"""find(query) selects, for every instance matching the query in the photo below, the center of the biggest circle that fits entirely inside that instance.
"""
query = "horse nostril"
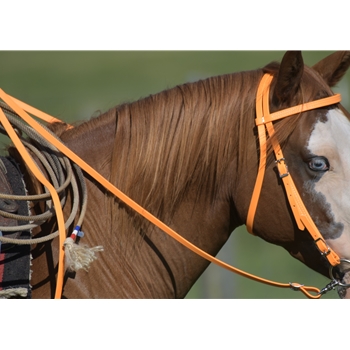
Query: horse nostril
(8, 205)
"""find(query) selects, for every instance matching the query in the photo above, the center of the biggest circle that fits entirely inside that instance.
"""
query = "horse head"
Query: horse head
(316, 148)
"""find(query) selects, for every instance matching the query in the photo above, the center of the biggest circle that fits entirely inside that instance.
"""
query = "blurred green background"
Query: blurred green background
(74, 85)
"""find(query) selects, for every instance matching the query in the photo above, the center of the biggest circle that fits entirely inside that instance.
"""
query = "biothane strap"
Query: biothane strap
(264, 120)
(21, 109)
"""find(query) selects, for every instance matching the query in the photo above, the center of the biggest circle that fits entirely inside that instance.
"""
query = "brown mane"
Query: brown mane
(196, 116)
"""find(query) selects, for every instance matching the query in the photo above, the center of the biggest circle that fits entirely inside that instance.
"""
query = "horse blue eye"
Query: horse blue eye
(319, 164)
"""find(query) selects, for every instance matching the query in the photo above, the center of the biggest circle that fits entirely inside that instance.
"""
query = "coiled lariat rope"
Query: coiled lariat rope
(63, 174)
(60, 171)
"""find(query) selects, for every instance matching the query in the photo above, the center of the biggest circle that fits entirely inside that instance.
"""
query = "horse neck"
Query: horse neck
(178, 181)
(135, 244)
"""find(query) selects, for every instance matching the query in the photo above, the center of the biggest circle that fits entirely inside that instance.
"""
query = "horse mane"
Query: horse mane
(186, 137)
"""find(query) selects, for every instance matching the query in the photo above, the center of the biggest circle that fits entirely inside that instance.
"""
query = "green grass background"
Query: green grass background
(74, 85)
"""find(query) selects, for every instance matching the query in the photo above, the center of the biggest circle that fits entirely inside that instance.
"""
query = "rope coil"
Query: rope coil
(63, 174)
(61, 171)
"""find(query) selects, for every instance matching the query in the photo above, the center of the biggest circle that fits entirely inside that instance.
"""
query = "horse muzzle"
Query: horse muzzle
(341, 274)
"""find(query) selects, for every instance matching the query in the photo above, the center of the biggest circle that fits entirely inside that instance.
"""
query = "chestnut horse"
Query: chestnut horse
(190, 156)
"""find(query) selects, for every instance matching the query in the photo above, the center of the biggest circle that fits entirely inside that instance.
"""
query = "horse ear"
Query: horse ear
(288, 79)
(333, 67)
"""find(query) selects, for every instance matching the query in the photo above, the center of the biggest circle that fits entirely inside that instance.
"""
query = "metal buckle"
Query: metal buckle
(322, 253)
(279, 162)
(285, 174)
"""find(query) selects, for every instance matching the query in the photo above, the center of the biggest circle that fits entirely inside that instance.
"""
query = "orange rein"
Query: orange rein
(21, 109)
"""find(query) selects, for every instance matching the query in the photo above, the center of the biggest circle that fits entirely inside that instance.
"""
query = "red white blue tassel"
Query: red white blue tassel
(78, 256)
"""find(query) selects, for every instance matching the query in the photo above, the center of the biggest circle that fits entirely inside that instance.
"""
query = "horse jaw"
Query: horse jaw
(330, 138)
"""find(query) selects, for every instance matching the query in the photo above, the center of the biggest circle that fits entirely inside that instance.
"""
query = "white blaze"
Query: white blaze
(331, 139)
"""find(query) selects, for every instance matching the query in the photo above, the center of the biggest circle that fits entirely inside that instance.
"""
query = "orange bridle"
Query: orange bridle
(264, 121)
(23, 109)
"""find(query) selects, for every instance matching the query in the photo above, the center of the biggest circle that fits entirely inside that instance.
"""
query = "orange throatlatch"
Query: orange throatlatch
(264, 123)
(23, 109)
